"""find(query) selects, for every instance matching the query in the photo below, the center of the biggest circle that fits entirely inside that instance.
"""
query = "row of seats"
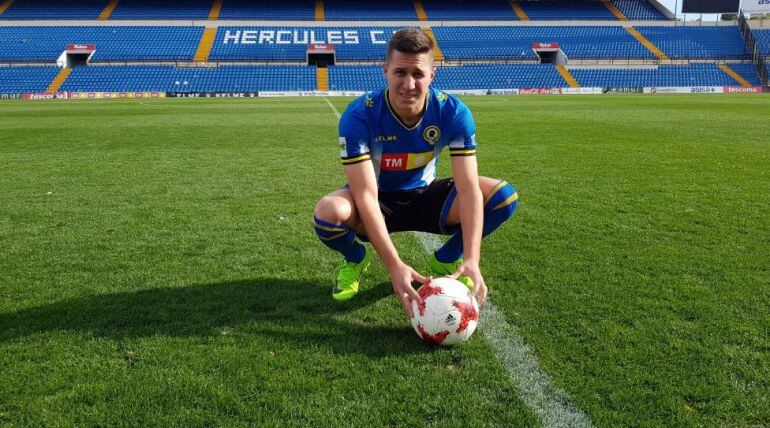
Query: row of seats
(357, 78)
(458, 43)
(697, 42)
(112, 43)
(118, 43)
(171, 79)
(670, 75)
(762, 37)
(335, 10)
(26, 79)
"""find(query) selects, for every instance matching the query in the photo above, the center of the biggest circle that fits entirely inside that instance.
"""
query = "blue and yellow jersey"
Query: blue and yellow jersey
(405, 158)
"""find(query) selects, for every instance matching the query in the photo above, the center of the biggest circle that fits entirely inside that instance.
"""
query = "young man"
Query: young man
(390, 141)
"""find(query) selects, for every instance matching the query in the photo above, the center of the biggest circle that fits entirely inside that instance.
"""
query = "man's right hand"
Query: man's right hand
(402, 277)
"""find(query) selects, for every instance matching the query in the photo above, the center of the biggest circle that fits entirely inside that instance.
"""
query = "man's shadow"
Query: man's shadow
(302, 313)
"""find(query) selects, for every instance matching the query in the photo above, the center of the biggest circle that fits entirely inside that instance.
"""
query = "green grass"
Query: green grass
(158, 267)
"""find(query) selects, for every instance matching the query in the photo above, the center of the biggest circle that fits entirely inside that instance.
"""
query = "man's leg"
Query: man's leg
(500, 200)
(334, 219)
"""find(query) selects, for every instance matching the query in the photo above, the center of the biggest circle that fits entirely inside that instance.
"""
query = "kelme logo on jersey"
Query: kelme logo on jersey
(431, 134)
(404, 161)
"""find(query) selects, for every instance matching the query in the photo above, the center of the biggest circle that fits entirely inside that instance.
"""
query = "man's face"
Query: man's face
(409, 76)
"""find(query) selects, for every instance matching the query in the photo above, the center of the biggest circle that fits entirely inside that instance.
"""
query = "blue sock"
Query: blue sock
(340, 238)
(499, 207)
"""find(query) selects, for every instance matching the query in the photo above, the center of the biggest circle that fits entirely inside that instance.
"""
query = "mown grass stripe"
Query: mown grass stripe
(550, 403)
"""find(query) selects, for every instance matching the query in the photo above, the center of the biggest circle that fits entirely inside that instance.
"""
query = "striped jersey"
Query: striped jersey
(405, 158)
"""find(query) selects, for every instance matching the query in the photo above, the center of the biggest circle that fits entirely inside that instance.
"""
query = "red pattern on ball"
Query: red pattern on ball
(434, 340)
(469, 313)
(424, 292)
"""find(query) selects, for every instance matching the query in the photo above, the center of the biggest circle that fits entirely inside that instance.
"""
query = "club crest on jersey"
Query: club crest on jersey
(431, 134)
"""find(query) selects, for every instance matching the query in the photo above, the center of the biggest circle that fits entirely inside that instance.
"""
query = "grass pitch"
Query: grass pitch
(158, 267)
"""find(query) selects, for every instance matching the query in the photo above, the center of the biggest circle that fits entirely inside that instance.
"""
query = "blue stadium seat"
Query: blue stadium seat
(458, 43)
(482, 76)
(171, 79)
(162, 9)
(17, 80)
(762, 37)
(483, 10)
(370, 10)
(275, 10)
(696, 74)
(707, 42)
(748, 71)
(638, 10)
(54, 9)
(543, 10)
(112, 43)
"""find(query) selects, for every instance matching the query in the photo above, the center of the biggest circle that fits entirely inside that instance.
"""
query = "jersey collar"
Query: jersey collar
(398, 119)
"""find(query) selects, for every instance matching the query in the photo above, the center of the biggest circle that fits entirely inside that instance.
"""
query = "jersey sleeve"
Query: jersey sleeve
(354, 136)
(462, 139)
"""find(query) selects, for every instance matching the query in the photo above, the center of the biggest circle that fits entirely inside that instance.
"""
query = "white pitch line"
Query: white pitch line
(332, 106)
(550, 403)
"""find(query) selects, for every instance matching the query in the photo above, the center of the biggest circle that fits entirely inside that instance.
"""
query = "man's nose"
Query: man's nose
(409, 82)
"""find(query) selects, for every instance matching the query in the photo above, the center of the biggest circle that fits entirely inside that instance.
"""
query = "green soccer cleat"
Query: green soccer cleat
(348, 278)
(440, 269)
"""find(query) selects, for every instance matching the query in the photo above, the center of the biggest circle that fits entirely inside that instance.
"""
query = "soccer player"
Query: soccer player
(390, 141)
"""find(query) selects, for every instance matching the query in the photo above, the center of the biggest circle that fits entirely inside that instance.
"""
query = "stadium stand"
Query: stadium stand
(462, 43)
(371, 10)
(637, 10)
(255, 58)
(162, 9)
(485, 10)
(54, 9)
(695, 74)
(290, 43)
(172, 79)
(476, 76)
(545, 10)
(689, 42)
(747, 71)
(268, 10)
(112, 43)
(762, 38)
(26, 79)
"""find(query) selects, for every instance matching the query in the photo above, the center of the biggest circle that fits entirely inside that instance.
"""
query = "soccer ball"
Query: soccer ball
(448, 314)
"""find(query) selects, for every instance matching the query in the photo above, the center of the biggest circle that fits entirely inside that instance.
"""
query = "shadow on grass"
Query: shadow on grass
(301, 313)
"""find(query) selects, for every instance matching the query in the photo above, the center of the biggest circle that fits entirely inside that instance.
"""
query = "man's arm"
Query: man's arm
(363, 186)
(470, 200)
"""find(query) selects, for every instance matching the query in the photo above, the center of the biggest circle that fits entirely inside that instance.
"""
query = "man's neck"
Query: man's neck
(408, 119)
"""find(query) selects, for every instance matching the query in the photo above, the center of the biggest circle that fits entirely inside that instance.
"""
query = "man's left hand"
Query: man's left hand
(470, 268)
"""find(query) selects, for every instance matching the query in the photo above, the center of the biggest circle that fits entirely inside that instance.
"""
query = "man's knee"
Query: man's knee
(337, 208)
(502, 199)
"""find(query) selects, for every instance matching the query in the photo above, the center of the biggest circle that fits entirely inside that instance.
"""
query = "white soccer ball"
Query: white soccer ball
(449, 313)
